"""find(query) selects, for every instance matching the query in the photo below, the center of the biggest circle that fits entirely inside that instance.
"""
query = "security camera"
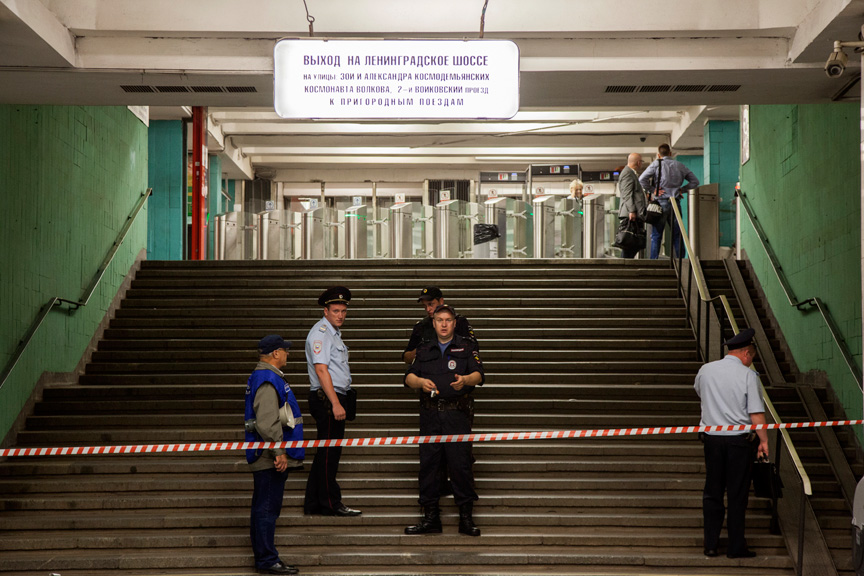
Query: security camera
(836, 64)
(642, 138)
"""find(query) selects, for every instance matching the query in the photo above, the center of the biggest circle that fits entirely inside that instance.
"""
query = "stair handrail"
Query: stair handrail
(705, 296)
(839, 340)
(85, 297)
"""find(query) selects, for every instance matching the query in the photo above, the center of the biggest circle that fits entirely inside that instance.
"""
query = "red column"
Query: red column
(199, 183)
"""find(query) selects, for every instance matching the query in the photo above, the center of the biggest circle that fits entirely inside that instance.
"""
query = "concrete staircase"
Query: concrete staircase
(831, 508)
(567, 345)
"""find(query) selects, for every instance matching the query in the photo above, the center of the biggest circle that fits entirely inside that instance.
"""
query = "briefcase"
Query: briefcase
(766, 480)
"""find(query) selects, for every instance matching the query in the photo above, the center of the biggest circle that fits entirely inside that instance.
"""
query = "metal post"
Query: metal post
(199, 183)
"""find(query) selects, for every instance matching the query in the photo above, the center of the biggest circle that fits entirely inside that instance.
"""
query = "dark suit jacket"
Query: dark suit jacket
(632, 196)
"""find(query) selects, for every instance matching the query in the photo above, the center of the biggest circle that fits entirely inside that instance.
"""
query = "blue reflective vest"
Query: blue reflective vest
(258, 378)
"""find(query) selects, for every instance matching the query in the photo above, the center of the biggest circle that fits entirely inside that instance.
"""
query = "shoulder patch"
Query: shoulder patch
(322, 328)
(477, 357)
(317, 346)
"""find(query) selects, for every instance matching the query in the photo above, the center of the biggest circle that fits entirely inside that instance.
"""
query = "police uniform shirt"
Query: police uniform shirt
(729, 392)
(460, 357)
(424, 331)
(324, 345)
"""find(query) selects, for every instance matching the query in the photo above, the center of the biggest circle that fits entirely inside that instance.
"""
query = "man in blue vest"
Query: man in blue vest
(272, 415)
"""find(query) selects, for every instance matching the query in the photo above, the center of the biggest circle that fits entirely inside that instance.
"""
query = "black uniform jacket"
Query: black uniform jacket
(424, 331)
(460, 357)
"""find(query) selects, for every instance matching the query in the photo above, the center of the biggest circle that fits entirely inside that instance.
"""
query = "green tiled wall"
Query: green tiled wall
(722, 142)
(695, 164)
(69, 177)
(166, 218)
(803, 181)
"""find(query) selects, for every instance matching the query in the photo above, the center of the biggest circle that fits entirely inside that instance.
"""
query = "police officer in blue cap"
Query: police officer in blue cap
(331, 402)
(730, 395)
(272, 415)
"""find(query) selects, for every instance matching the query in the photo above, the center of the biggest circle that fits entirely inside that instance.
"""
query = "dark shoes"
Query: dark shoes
(341, 510)
(745, 554)
(466, 520)
(429, 524)
(711, 552)
(279, 568)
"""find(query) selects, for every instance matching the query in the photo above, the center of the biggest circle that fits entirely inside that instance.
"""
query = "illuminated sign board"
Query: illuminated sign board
(396, 79)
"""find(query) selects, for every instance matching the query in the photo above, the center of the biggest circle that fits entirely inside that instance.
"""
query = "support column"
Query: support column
(166, 214)
(198, 247)
(722, 167)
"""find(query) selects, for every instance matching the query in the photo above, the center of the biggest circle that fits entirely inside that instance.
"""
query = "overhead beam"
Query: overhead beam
(52, 36)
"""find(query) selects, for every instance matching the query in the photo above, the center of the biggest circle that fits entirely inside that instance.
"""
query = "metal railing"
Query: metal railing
(706, 301)
(839, 340)
(85, 297)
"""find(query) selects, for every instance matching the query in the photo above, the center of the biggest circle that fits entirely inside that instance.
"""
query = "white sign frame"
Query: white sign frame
(396, 79)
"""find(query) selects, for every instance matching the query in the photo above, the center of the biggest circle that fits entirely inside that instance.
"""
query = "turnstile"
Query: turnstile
(270, 240)
(570, 218)
(312, 226)
(401, 231)
(520, 230)
(356, 232)
(496, 214)
(544, 226)
(448, 232)
(594, 226)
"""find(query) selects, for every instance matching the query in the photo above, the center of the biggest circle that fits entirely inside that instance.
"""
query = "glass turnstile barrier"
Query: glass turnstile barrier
(544, 226)
(569, 215)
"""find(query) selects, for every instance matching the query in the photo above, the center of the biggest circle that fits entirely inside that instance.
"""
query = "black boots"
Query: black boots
(466, 520)
(430, 523)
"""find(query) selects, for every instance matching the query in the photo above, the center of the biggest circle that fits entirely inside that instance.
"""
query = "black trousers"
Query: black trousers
(322, 491)
(728, 467)
(457, 454)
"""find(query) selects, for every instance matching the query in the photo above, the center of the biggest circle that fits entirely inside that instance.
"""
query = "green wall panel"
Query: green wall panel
(165, 219)
(69, 177)
(722, 143)
(695, 164)
(803, 181)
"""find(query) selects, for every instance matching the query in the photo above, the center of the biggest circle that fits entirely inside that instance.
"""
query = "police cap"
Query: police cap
(430, 293)
(335, 295)
(445, 308)
(272, 342)
(743, 339)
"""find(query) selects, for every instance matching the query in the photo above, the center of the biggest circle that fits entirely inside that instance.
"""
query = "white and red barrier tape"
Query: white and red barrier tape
(409, 440)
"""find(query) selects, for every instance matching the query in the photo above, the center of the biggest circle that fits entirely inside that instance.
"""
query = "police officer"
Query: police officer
(272, 415)
(331, 402)
(423, 331)
(730, 395)
(445, 372)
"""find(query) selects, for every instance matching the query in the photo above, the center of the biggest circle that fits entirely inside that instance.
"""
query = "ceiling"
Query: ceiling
(599, 79)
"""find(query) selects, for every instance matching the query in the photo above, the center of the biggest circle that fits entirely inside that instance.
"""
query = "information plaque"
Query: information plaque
(398, 79)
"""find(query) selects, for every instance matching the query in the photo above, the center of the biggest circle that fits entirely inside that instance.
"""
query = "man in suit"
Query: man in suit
(633, 202)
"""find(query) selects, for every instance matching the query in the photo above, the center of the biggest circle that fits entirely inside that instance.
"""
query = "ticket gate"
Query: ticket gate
(312, 226)
(594, 226)
(448, 231)
(273, 241)
(401, 230)
(356, 232)
(570, 219)
(225, 237)
(544, 226)
(495, 213)
(521, 221)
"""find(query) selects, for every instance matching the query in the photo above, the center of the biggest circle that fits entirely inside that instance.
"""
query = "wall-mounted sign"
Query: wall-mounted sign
(502, 176)
(444, 195)
(396, 78)
(400, 197)
(493, 194)
(269, 205)
(357, 200)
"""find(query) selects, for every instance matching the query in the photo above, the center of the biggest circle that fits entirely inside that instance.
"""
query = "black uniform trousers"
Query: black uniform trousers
(728, 467)
(323, 494)
(458, 456)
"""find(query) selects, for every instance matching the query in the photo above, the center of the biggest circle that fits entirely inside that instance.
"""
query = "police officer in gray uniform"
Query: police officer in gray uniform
(331, 402)
(730, 396)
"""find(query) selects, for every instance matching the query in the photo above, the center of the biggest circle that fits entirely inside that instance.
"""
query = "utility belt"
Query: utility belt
(751, 436)
(347, 400)
(463, 403)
